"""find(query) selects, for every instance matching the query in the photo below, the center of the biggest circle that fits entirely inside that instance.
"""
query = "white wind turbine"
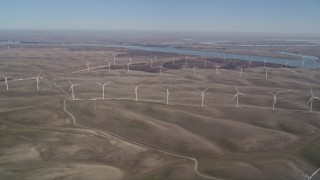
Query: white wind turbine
(311, 100)
(128, 67)
(160, 69)
(194, 70)
(266, 74)
(241, 72)
(264, 62)
(114, 60)
(88, 67)
(250, 63)
(136, 89)
(102, 85)
(167, 90)
(202, 95)
(274, 98)
(71, 88)
(6, 81)
(151, 62)
(310, 177)
(173, 61)
(38, 81)
(109, 66)
(217, 69)
(237, 96)
(130, 60)
(302, 63)
(186, 60)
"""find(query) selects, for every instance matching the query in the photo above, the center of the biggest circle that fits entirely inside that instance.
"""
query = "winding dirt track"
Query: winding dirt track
(138, 143)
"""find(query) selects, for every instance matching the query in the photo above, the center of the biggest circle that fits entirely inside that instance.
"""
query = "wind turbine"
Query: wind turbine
(6, 81)
(186, 60)
(103, 85)
(114, 60)
(130, 60)
(302, 63)
(109, 66)
(241, 72)
(160, 67)
(173, 61)
(194, 70)
(310, 177)
(311, 100)
(217, 69)
(266, 74)
(237, 96)
(250, 63)
(128, 67)
(167, 90)
(202, 95)
(151, 62)
(88, 67)
(38, 81)
(71, 88)
(136, 89)
(274, 98)
(264, 62)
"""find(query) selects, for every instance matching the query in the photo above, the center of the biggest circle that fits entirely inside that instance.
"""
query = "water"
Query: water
(309, 60)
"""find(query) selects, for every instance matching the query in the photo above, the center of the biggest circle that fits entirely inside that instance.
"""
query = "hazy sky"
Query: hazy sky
(294, 16)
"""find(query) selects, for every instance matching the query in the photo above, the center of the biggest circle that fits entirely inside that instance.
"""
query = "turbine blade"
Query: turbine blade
(99, 83)
(235, 96)
(310, 100)
(315, 172)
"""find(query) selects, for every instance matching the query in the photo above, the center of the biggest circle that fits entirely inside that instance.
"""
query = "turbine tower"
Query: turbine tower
(237, 96)
(274, 98)
(136, 89)
(71, 88)
(202, 96)
(103, 85)
(264, 62)
(6, 81)
(311, 100)
(173, 61)
(186, 60)
(241, 72)
(38, 81)
(194, 70)
(302, 63)
(266, 74)
(88, 67)
(114, 60)
(217, 69)
(167, 90)
(109, 66)
(128, 67)
(151, 62)
(160, 69)
(250, 63)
